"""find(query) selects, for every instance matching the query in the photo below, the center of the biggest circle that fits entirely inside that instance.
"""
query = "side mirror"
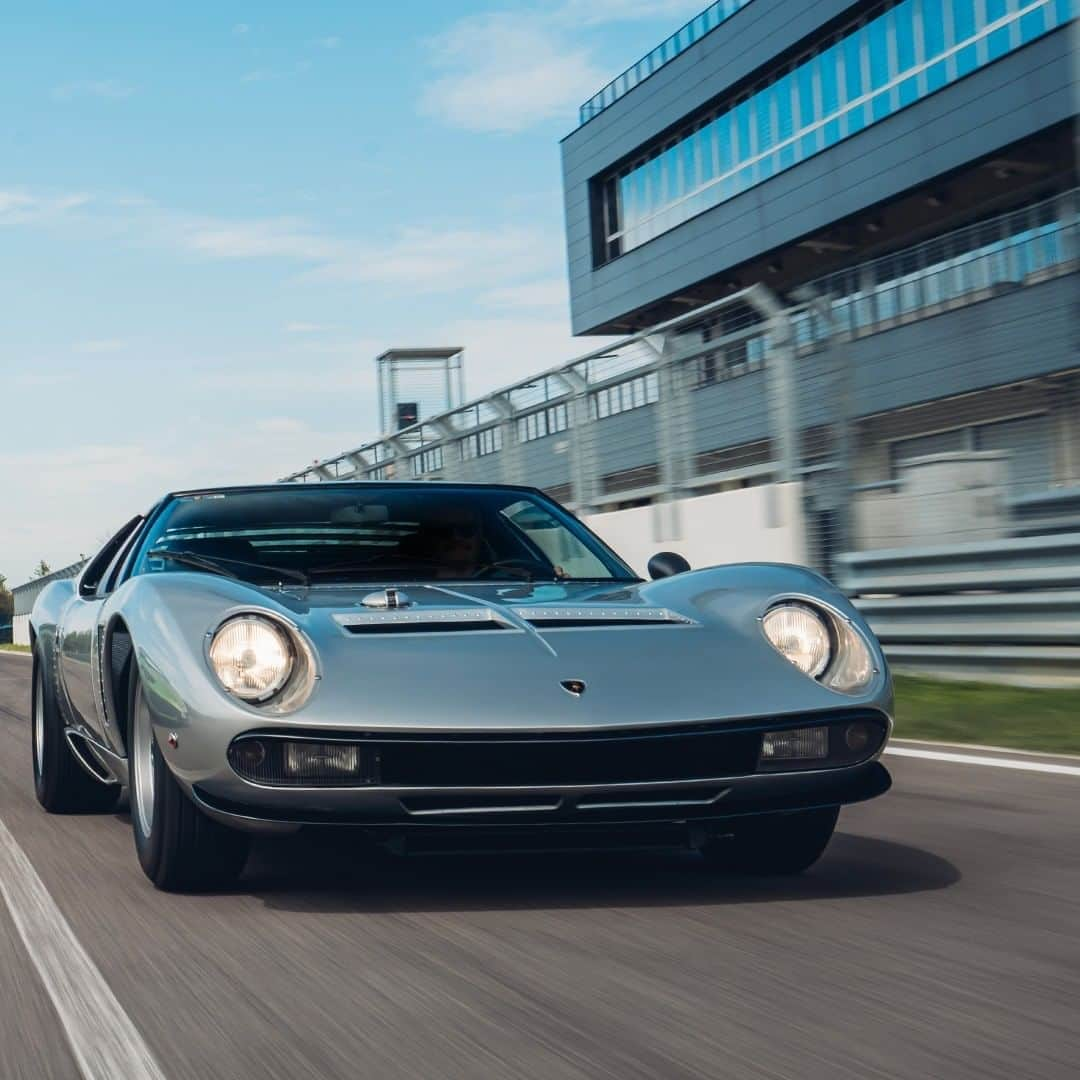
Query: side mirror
(667, 563)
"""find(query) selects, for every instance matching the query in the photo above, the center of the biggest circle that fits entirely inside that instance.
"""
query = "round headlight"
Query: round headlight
(252, 657)
(800, 634)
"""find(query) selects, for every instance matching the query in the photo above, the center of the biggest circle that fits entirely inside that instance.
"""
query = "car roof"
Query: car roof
(343, 485)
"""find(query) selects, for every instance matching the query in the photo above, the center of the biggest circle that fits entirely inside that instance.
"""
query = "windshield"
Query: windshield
(384, 535)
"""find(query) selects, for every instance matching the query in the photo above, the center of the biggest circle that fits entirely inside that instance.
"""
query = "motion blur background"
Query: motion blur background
(832, 250)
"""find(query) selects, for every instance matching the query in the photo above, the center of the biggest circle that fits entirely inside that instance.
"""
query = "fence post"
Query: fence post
(779, 373)
(582, 473)
(451, 461)
(510, 455)
(674, 437)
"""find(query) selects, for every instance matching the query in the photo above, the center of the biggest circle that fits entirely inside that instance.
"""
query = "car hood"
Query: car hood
(684, 649)
(496, 656)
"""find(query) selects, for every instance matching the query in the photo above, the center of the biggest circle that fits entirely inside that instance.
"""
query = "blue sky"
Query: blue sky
(213, 216)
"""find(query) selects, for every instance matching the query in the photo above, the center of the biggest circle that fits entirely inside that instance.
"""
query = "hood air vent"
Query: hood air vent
(430, 621)
(563, 618)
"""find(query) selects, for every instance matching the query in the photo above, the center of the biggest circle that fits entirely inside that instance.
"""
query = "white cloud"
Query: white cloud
(446, 259)
(103, 345)
(504, 350)
(107, 89)
(25, 208)
(330, 42)
(576, 13)
(286, 238)
(307, 328)
(549, 293)
(39, 379)
(435, 258)
(240, 29)
(280, 425)
(504, 71)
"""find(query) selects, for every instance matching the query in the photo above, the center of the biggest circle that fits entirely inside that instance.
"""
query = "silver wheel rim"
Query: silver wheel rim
(143, 753)
(39, 723)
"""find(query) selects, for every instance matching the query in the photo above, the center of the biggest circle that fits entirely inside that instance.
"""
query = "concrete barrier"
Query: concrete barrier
(756, 524)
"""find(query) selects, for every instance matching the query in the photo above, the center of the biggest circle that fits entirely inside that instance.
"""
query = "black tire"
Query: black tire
(61, 783)
(775, 843)
(180, 849)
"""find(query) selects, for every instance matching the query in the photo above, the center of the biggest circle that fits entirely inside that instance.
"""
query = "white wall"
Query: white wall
(757, 524)
(20, 629)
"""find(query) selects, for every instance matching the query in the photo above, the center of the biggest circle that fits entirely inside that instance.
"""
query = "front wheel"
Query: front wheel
(180, 849)
(775, 843)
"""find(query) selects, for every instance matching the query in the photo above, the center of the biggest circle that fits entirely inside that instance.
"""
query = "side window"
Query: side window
(97, 569)
(112, 573)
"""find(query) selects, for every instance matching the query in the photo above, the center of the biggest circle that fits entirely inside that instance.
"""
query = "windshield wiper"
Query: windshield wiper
(214, 564)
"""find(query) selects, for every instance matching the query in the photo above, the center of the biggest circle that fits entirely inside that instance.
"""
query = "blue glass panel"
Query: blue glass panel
(964, 28)
(744, 147)
(726, 154)
(998, 41)
(854, 86)
(1064, 10)
(715, 149)
(766, 136)
(804, 79)
(785, 121)
(879, 66)
(829, 72)
(1032, 24)
(904, 26)
(689, 175)
(933, 24)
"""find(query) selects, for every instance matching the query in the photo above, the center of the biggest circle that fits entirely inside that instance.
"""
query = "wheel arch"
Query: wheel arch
(117, 656)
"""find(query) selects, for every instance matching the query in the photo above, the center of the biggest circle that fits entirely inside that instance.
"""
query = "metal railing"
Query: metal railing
(664, 53)
(1018, 248)
(623, 423)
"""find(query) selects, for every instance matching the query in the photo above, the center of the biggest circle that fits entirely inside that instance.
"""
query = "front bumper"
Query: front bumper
(597, 778)
(714, 800)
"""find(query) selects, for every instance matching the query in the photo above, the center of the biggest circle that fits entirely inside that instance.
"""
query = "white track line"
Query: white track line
(103, 1039)
(993, 762)
(966, 746)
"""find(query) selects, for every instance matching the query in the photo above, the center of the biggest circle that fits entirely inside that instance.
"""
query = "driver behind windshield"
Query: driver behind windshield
(450, 542)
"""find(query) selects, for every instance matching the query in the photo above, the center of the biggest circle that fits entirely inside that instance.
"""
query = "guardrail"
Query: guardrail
(1006, 610)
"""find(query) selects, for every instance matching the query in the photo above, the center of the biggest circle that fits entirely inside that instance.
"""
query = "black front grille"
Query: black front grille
(555, 760)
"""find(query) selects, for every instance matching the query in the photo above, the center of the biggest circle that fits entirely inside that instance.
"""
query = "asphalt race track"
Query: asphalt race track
(939, 937)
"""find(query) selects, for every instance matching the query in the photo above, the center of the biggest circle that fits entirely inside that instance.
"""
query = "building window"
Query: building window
(633, 393)
(906, 51)
(427, 461)
(481, 443)
(547, 421)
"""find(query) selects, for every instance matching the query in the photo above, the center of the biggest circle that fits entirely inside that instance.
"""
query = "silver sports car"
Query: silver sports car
(445, 664)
